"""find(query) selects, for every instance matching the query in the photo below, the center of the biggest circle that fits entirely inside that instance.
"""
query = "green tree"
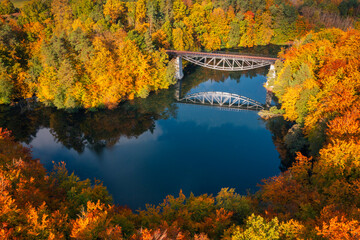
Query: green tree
(257, 228)
(6, 86)
(6, 7)
(140, 13)
(229, 200)
(180, 10)
(264, 28)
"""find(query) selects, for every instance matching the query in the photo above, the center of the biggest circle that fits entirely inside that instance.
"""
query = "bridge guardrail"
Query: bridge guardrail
(224, 54)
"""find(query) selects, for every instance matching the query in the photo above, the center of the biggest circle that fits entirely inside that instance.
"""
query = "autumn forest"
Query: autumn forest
(95, 54)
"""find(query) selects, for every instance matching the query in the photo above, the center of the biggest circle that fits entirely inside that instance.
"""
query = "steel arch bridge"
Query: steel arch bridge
(223, 99)
(224, 62)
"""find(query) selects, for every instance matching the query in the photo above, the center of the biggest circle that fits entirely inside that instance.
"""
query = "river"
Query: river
(149, 148)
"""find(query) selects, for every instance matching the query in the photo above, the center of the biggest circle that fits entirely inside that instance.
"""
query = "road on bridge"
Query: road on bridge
(221, 55)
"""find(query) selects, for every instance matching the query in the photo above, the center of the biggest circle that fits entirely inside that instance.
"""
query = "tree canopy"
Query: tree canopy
(75, 54)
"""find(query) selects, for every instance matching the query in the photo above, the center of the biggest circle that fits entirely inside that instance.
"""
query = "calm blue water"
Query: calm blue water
(153, 153)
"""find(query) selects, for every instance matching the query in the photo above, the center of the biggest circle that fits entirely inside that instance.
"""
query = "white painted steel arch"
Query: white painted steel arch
(226, 64)
(223, 99)
(223, 61)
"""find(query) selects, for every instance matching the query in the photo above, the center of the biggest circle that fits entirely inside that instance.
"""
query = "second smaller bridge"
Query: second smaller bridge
(223, 99)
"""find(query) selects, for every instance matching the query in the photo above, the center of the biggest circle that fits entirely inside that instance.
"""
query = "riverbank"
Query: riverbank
(271, 113)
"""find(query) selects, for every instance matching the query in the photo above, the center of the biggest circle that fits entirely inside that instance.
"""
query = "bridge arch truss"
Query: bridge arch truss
(223, 99)
(223, 61)
(226, 63)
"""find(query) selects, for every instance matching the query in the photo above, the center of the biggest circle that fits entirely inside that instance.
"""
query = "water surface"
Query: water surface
(150, 148)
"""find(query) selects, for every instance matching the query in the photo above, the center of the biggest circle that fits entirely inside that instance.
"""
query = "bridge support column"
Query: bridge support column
(270, 77)
(269, 86)
(272, 71)
(179, 72)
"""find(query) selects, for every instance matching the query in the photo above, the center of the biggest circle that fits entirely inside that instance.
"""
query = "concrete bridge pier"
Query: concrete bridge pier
(270, 77)
(179, 71)
(272, 71)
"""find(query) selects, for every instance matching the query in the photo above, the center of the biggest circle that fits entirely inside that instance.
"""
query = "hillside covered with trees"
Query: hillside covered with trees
(91, 54)
(318, 84)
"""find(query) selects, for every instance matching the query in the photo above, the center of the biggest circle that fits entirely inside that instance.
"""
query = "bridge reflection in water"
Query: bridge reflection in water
(223, 100)
(224, 62)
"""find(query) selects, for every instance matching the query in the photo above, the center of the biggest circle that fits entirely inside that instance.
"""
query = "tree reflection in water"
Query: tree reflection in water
(102, 129)
(94, 130)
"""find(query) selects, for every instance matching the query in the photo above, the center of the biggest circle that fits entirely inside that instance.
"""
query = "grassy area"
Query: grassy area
(19, 3)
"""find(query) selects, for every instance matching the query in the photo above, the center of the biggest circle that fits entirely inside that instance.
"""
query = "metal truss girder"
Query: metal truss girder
(226, 64)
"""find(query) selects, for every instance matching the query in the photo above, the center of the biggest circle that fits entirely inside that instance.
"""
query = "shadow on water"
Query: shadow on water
(148, 148)
(288, 140)
(195, 75)
(85, 129)
(103, 129)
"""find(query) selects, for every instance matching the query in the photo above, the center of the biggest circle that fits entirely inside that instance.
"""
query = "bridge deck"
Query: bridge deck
(220, 55)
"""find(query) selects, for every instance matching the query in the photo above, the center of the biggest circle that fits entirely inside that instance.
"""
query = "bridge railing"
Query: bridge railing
(241, 53)
(234, 52)
(220, 54)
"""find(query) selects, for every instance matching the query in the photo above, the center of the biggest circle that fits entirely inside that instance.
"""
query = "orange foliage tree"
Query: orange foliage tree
(318, 84)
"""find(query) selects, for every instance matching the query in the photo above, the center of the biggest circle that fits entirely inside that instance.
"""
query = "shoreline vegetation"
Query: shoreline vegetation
(273, 112)
(79, 53)
(96, 54)
(316, 197)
